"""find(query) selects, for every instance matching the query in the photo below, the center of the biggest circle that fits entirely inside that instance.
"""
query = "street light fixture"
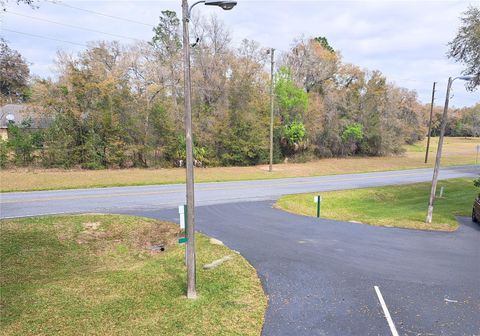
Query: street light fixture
(440, 146)
(225, 5)
(191, 267)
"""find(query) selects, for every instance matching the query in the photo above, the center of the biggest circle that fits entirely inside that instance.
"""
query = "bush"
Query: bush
(21, 142)
(295, 132)
(351, 137)
(242, 145)
(476, 182)
(3, 154)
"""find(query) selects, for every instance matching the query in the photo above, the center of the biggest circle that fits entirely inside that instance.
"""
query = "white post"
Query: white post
(441, 192)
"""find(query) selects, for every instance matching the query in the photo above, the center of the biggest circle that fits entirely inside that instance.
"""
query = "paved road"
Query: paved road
(320, 274)
(168, 196)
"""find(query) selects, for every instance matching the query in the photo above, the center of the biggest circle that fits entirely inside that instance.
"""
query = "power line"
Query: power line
(102, 14)
(73, 26)
(44, 37)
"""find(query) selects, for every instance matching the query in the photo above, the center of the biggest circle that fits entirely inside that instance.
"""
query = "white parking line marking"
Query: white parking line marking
(386, 312)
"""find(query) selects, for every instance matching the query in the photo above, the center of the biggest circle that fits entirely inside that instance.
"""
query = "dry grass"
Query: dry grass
(457, 151)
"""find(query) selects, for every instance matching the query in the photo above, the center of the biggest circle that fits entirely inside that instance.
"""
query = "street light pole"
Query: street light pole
(191, 262)
(191, 272)
(439, 149)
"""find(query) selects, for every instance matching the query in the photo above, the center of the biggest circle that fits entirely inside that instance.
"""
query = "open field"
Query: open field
(94, 274)
(457, 151)
(395, 206)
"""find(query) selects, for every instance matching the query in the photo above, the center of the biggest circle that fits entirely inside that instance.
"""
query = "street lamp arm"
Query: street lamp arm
(465, 78)
(193, 5)
(458, 77)
(225, 5)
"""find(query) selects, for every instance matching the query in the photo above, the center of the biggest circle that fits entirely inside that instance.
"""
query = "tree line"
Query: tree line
(115, 105)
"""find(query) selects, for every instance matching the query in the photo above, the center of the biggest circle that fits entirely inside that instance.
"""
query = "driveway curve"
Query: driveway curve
(320, 274)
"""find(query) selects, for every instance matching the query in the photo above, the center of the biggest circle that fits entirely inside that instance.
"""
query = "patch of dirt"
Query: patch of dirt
(91, 225)
(145, 236)
(91, 232)
(156, 234)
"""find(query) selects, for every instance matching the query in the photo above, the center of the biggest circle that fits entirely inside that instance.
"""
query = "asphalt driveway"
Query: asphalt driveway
(320, 274)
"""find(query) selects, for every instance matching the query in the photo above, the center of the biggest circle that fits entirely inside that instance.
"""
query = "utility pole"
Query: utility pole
(191, 271)
(439, 154)
(430, 123)
(440, 145)
(272, 62)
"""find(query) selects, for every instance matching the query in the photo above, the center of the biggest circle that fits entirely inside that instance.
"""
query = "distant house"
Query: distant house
(18, 113)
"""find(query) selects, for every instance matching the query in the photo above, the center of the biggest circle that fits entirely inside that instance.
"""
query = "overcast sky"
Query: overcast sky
(406, 40)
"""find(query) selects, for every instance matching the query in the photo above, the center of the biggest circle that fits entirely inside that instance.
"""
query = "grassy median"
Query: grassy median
(456, 151)
(395, 206)
(95, 274)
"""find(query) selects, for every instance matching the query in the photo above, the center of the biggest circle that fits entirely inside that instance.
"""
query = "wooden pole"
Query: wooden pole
(439, 155)
(191, 269)
(272, 60)
(430, 123)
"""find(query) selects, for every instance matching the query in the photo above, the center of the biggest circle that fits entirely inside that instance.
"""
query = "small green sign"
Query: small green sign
(182, 240)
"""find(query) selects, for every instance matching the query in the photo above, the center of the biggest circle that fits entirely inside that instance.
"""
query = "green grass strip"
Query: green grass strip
(394, 206)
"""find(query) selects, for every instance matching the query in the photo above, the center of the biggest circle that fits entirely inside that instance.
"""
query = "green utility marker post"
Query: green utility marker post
(318, 199)
(182, 211)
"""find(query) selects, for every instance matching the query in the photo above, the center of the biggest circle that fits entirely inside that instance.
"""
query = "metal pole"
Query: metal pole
(272, 60)
(191, 272)
(430, 123)
(439, 155)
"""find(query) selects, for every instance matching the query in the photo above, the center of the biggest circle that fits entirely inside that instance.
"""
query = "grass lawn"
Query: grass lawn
(457, 151)
(93, 274)
(395, 206)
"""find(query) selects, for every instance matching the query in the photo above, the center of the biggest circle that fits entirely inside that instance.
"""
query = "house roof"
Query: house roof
(18, 113)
